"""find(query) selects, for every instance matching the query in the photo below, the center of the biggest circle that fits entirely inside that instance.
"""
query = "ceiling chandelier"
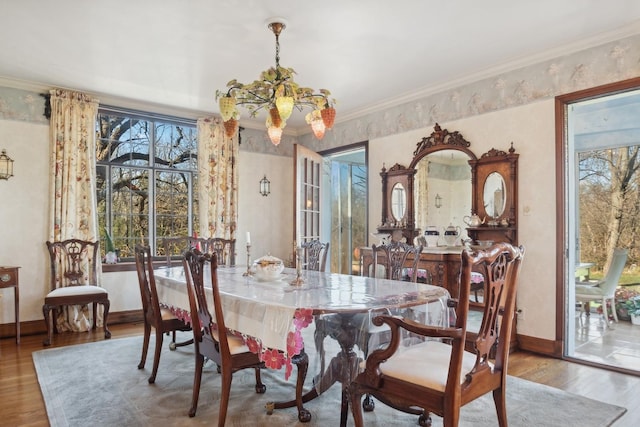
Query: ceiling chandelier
(276, 92)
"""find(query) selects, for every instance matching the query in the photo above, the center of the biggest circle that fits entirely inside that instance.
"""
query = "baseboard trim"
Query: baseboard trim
(34, 327)
(551, 348)
(533, 344)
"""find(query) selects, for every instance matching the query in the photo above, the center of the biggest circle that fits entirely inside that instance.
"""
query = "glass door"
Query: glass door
(348, 207)
(601, 216)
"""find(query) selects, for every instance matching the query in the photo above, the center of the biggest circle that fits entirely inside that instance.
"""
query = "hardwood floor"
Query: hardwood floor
(21, 402)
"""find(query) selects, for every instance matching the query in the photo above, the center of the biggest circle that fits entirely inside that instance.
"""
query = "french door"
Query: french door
(330, 202)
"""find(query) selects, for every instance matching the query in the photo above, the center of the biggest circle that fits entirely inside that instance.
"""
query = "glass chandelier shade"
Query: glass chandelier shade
(276, 92)
(318, 127)
(275, 134)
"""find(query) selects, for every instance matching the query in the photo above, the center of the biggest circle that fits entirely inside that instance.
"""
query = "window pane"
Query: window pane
(145, 186)
(176, 146)
(172, 204)
(130, 207)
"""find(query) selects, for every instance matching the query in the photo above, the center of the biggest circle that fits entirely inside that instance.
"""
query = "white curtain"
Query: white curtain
(217, 179)
(72, 207)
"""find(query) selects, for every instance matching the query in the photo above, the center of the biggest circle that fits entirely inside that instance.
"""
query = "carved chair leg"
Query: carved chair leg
(145, 345)
(501, 407)
(260, 387)
(356, 396)
(225, 391)
(156, 357)
(46, 310)
(95, 315)
(197, 379)
(105, 319)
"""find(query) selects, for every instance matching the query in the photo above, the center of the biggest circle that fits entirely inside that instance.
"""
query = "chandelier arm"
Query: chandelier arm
(258, 99)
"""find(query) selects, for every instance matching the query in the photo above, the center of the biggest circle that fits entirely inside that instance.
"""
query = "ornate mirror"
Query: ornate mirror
(496, 196)
(493, 195)
(442, 164)
(398, 201)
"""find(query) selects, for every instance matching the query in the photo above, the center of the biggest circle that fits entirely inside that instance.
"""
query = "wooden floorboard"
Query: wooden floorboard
(21, 402)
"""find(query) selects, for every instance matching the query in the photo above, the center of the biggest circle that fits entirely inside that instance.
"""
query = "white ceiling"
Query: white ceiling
(369, 54)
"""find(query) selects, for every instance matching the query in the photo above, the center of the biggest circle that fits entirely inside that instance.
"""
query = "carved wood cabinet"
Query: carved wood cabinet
(494, 199)
(397, 197)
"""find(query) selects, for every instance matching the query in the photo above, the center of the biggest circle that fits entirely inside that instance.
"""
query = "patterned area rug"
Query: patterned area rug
(98, 384)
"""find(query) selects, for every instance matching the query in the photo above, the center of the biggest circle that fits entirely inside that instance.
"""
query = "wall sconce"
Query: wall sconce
(6, 165)
(438, 201)
(265, 186)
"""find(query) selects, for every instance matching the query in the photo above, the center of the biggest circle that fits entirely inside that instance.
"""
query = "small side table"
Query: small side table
(9, 279)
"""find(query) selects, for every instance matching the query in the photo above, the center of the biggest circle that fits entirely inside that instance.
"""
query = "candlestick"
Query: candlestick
(248, 272)
(298, 280)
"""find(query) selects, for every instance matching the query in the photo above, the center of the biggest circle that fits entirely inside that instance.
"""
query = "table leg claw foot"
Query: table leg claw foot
(304, 416)
(270, 406)
(368, 405)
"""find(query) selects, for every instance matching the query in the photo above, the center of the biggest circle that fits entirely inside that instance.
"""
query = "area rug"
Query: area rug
(98, 384)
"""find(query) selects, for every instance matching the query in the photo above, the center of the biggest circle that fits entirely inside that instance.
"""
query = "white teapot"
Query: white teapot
(451, 234)
(473, 220)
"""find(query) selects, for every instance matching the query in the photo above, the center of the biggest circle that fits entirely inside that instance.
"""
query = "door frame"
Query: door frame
(562, 228)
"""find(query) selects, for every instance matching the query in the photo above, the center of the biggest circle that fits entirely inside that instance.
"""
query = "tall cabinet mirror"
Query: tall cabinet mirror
(447, 187)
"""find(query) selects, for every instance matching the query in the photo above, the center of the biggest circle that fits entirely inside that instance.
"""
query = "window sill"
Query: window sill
(121, 266)
(130, 266)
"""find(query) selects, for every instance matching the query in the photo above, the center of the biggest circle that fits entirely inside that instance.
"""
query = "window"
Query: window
(146, 179)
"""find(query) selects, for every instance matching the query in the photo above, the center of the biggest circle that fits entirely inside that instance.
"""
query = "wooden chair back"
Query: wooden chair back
(212, 333)
(396, 257)
(315, 255)
(147, 284)
(74, 262)
(225, 249)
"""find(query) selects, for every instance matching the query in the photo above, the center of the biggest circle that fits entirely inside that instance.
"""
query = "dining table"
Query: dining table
(274, 317)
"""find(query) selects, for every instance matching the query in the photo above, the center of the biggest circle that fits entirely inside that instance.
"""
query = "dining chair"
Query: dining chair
(439, 376)
(155, 316)
(397, 261)
(224, 248)
(74, 281)
(176, 246)
(314, 255)
(210, 335)
(396, 258)
(604, 290)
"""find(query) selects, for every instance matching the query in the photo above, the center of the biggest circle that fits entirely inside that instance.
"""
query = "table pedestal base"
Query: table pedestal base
(343, 368)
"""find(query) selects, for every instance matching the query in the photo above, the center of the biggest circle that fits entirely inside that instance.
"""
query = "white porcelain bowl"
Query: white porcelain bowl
(268, 268)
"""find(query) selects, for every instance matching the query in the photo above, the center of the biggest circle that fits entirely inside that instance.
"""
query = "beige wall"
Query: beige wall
(531, 128)
(24, 215)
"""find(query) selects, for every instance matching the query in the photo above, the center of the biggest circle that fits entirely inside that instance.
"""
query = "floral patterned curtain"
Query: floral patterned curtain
(72, 206)
(217, 179)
